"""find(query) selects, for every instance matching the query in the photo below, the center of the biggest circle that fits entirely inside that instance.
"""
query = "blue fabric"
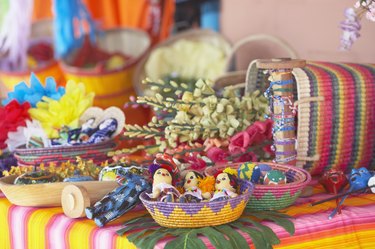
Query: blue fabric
(103, 134)
(67, 14)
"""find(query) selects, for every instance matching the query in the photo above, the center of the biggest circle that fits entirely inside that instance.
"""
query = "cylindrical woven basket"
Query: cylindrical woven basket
(336, 115)
(8, 79)
(259, 45)
(113, 87)
(96, 152)
(203, 35)
(274, 197)
(202, 214)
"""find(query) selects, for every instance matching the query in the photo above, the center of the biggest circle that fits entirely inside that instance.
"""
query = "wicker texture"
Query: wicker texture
(336, 117)
(273, 197)
(188, 215)
(96, 152)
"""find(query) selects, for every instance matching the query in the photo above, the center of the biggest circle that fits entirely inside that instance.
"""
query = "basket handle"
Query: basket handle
(308, 158)
(259, 38)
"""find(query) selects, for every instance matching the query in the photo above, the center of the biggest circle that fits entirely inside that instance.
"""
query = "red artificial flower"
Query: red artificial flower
(265, 128)
(247, 157)
(239, 142)
(217, 155)
(254, 134)
(268, 149)
(12, 116)
(196, 163)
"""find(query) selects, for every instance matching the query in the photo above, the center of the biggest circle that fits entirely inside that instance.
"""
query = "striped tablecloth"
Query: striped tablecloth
(32, 228)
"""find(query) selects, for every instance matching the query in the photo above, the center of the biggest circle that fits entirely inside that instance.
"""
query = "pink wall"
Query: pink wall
(311, 27)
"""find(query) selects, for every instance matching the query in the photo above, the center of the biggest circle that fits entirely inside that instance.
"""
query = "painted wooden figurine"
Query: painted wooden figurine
(225, 186)
(163, 172)
(192, 191)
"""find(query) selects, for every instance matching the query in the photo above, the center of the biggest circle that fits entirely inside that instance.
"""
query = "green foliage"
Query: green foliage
(144, 232)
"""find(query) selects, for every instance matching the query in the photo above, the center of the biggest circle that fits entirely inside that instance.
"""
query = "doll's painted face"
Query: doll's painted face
(191, 180)
(223, 182)
(162, 176)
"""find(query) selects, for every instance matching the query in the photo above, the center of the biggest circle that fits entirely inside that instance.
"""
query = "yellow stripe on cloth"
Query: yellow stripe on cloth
(4, 226)
(79, 234)
(36, 227)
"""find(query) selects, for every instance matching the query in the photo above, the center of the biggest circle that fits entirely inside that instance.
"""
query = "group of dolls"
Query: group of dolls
(194, 187)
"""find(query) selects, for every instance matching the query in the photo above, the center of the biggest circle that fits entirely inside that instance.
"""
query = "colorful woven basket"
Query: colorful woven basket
(96, 152)
(336, 114)
(188, 215)
(274, 197)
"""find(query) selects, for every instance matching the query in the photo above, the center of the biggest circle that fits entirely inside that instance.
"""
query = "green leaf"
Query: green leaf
(138, 235)
(268, 232)
(143, 218)
(189, 240)
(149, 241)
(283, 222)
(136, 226)
(235, 238)
(217, 239)
(257, 237)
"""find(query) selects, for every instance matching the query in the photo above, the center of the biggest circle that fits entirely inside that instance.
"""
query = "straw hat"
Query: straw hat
(95, 113)
(115, 113)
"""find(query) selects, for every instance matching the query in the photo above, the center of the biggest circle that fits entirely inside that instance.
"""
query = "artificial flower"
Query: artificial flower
(265, 128)
(351, 28)
(53, 114)
(254, 134)
(215, 142)
(12, 116)
(239, 142)
(196, 163)
(207, 184)
(217, 155)
(33, 94)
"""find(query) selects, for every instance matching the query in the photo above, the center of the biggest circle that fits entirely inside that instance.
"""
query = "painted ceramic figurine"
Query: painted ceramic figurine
(274, 177)
(191, 186)
(334, 181)
(225, 186)
(119, 201)
(358, 179)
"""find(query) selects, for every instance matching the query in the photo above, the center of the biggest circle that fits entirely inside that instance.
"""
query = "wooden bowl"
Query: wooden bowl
(50, 194)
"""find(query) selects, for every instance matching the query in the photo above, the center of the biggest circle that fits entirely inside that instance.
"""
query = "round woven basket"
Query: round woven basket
(40, 30)
(95, 152)
(274, 197)
(202, 214)
(113, 87)
(202, 35)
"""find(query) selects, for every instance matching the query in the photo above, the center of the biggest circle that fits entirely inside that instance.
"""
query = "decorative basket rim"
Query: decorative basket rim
(294, 184)
(249, 190)
(105, 144)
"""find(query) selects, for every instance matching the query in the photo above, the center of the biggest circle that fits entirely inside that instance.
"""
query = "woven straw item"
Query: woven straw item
(336, 117)
(96, 152)
(273, 197)
(202, 214)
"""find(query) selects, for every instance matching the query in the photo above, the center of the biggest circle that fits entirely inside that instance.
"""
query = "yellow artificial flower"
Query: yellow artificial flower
(54, 114)
(230, 171)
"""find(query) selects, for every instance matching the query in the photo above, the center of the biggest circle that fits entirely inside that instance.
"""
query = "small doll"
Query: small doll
(191, 186)
(120, 200)
(225, 185)
(163, 172)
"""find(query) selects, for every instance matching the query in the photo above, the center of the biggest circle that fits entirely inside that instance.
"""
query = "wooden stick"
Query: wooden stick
(340, 195)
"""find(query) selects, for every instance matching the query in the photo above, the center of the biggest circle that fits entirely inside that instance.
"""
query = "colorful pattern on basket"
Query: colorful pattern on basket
(95, 152)
(339, 129)
(174, 214)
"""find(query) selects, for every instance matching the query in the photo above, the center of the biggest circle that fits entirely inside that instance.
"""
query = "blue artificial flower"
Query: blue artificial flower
(33, 94)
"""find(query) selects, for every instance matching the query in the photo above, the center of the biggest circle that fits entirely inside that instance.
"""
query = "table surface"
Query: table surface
(25, 227)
